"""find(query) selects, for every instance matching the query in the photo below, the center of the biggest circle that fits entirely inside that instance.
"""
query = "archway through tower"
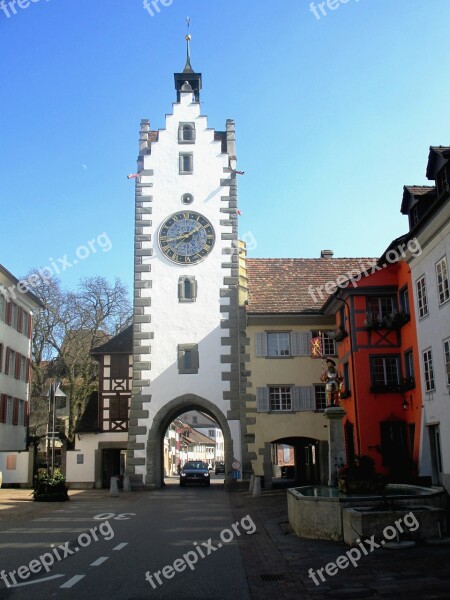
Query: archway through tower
(181, 405)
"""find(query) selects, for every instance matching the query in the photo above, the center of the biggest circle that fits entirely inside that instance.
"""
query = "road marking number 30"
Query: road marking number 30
(120, 517)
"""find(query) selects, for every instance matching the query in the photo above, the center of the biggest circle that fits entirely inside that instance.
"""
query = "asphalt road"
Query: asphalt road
(183, 538)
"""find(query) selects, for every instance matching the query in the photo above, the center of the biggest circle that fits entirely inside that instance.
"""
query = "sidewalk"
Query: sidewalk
(15, 503)
(277, 562)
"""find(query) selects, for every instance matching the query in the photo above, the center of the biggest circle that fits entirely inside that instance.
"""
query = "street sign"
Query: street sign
(236, 465)
(235, 474)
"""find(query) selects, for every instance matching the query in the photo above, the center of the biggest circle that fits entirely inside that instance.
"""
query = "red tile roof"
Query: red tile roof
(280, 285)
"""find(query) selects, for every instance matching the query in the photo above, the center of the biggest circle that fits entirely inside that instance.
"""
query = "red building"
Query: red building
(378, 359)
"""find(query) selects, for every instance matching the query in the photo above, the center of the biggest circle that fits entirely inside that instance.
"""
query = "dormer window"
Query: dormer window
(443, 180)
(414, 216)
(186, 133)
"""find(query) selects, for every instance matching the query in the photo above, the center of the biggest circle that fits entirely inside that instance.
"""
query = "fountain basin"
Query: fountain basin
(317, 512)
(415, 523)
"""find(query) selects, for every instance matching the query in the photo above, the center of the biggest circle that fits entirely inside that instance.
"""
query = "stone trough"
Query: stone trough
(325, 513)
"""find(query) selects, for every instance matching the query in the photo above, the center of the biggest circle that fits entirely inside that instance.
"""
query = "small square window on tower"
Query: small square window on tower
(187, 289)
(188, 359)
(186, 160)
(186, 133)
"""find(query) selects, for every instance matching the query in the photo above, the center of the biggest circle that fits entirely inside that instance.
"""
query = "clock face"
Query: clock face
(186, 237)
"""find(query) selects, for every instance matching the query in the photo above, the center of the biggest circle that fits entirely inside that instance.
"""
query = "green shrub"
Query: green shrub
(50, 488)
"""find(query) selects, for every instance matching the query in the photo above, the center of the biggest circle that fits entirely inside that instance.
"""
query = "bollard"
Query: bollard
(252, 484)
(126, 484)
(257, 487)
(114, 489)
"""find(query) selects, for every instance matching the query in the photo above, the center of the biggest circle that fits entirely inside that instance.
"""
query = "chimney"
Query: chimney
(326, 254)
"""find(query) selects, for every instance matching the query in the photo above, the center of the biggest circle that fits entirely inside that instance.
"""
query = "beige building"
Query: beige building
(284, 396)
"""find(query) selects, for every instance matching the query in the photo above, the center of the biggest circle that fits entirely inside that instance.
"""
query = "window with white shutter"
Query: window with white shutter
(261, 344)
(262, 399)
(300, 343)
(279, 344)
(304, 398)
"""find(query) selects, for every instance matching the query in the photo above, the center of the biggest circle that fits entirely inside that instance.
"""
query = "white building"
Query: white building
(429, 217)
(17, 306)
(186, 323)
(207, 427)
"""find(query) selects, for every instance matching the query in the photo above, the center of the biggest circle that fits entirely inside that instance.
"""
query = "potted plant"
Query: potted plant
(50, 488)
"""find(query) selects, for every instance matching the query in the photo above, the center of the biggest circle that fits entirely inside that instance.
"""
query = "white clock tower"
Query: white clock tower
(186, 315)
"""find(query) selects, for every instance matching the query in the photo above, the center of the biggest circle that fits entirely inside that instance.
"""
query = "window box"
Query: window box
(394, 320)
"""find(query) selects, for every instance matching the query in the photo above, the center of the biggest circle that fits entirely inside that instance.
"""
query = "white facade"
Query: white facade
(163, 323)
(16, 310)
(433, 331)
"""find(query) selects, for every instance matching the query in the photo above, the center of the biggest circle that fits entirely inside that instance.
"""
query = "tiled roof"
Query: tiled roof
(420, 190)
(280, 285)
(195, 437)
(119, 344)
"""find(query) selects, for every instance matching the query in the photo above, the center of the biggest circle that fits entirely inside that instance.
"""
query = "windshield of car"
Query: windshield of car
(195, 465)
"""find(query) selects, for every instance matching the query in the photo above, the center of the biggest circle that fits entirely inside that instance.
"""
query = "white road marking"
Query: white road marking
(37, 580)
(120, 546)
(71, 582)
(99, 561)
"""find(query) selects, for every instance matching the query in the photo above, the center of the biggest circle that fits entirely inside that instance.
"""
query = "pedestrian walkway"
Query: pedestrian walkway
(277, 562)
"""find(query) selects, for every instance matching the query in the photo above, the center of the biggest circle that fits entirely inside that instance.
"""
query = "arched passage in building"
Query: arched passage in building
(155, 453)
(301, 460)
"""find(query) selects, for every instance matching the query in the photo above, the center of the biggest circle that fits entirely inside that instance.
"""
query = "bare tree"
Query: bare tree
(66, 330)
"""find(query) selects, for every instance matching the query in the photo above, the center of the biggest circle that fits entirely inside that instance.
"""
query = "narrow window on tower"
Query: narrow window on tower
(187, 289)
(186, 163)
(188, 359)
(186, 133)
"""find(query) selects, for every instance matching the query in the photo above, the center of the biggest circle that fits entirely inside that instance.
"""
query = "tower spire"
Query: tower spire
(188, 68)
(188, 76)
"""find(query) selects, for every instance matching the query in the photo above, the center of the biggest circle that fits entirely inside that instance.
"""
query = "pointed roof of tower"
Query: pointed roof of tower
(188, 67)
(188, 76)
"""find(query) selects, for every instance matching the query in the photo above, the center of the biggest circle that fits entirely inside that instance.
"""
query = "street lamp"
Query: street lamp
(53, 393)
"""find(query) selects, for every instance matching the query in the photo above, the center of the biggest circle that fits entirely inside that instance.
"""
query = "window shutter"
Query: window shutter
(300, 343)
(1, 358)
(3, 408)
(7, 361)
(30, 324)
(17, 366)
(15, 418)
(8, 313)
(304, 398)
(19, 319)
(261, 344)
(28, 370)
(26, 416)
(262, 400)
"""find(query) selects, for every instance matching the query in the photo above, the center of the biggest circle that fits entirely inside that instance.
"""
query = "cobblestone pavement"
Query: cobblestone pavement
(277, 562)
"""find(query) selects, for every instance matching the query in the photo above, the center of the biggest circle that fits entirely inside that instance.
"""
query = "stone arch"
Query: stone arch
(161, 421)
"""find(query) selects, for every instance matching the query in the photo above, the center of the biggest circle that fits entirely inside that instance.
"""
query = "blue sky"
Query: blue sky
(333, 115)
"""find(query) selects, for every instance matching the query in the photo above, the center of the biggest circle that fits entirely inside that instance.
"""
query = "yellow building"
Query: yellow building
(281, 387)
